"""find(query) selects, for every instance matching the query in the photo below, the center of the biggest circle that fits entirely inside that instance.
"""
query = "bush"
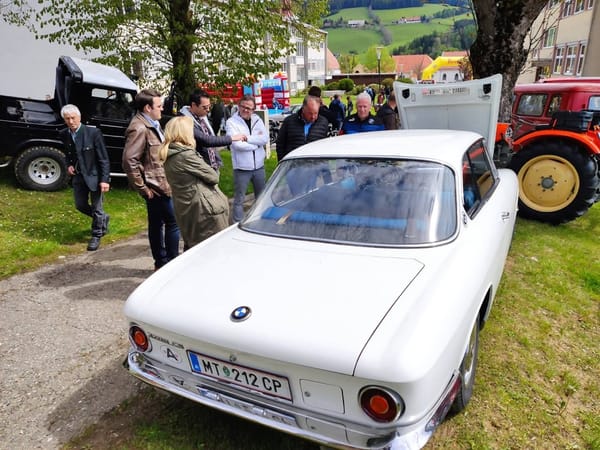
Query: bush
(387, 82)
(333, 86)
(346, 84)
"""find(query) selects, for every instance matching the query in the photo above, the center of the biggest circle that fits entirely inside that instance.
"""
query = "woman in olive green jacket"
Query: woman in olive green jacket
(201, 209)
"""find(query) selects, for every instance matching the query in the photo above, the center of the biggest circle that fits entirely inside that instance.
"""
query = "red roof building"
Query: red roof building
(411, 66)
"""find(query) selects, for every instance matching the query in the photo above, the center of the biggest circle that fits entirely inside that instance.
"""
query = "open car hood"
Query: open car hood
(302, 296)
(467, 105)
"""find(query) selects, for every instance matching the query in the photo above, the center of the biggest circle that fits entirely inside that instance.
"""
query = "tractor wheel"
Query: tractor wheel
(42, 169)
(557, 181)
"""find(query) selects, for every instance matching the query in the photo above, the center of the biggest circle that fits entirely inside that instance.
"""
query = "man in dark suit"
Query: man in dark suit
(88, 164)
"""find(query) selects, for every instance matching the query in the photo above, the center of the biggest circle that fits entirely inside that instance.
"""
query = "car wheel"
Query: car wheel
(467, 371)
(42, 169)
(558, 181)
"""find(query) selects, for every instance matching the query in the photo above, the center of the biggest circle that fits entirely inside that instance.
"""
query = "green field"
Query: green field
(357, 41)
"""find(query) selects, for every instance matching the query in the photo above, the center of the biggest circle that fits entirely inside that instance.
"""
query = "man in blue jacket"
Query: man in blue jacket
(89, 166)
(362, 120)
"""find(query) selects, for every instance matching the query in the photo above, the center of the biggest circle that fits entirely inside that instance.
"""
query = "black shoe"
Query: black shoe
(93, 244)
(105, 224)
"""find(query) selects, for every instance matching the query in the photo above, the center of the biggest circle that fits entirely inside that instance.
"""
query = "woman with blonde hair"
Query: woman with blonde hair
(201, 209)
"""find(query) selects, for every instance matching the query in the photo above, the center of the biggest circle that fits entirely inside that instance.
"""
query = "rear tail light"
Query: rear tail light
(138, 339)
(380, 404)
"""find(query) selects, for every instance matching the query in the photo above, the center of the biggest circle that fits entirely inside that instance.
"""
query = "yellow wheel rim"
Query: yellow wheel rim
(548, 183)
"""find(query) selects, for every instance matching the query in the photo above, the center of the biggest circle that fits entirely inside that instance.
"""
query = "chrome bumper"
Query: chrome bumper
(286, 417)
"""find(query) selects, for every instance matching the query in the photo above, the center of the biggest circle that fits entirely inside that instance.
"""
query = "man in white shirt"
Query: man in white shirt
(247, 157)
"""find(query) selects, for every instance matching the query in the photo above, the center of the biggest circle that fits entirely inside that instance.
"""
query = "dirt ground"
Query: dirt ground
(63, 339)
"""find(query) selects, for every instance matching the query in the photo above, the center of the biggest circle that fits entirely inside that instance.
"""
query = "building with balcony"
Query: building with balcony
(563, 41)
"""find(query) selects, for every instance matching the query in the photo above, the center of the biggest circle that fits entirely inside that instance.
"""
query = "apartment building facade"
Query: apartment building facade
(563, 41)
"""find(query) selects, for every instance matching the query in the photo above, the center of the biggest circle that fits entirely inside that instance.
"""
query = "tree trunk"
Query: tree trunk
(499, 46)
(182, 29)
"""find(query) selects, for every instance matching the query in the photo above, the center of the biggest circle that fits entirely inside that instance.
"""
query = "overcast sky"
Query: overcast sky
(28, 64)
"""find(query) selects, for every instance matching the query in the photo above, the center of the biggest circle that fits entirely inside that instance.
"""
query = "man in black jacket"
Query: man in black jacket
(208, 143)
(315, 91)
(305, 126)
(388, 113)
(88, 164)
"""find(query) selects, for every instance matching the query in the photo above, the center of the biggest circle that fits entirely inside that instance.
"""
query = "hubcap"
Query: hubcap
(548, 183)
(44, 170)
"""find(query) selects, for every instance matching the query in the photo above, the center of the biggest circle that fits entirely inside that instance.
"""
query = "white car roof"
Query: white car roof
(442, 145)
(96, 73)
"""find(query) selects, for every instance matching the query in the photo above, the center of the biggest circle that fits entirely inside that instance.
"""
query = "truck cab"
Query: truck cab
(30, 128)
(534, 104)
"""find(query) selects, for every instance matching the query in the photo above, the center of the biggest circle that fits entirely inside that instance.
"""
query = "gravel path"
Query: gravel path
(62, 341)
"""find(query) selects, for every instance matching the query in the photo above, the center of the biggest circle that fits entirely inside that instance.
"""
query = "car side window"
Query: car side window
(532, 104)
(111, 104)
(478, 177)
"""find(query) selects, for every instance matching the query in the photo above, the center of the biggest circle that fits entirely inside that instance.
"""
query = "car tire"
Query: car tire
(42, 168)
(558, 181)
(467, 371)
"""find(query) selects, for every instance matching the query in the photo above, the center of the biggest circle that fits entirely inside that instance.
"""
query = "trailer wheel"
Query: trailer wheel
(557, 181)
(42, 169)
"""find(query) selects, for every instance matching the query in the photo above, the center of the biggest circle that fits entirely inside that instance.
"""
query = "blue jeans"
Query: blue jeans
(89, 203)
(163, 232)
(241, 179)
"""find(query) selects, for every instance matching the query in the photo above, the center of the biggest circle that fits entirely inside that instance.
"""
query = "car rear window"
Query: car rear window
(361, 201)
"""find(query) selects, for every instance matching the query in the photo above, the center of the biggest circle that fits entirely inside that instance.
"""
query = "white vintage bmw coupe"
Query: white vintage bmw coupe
(346, 307)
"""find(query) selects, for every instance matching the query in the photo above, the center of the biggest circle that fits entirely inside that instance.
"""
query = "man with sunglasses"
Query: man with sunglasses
(247, 157)
(207, 142)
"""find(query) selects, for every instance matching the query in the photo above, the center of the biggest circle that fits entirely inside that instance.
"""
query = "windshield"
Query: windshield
(362, 201)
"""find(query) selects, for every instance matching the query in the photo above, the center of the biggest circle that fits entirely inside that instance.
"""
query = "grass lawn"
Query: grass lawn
(40, 227)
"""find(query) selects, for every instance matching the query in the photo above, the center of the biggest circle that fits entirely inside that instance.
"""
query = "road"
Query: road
(63, 338)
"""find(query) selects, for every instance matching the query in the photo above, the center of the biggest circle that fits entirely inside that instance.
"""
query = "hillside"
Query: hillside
(382, 27)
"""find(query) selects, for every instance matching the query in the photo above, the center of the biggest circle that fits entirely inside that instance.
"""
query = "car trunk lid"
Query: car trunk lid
(319, 310)
(467, 105)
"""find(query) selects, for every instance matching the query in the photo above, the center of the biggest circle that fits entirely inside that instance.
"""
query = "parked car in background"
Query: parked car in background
(385, 251)
(283, 113)
(276, 119)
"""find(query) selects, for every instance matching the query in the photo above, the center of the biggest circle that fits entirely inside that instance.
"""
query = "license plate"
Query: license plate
(255, 380)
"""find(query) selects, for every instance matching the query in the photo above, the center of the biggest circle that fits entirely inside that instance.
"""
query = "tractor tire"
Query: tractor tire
(558, 181)
(42, 168)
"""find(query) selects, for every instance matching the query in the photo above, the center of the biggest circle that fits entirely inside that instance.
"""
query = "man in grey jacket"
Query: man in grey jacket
(247, 157)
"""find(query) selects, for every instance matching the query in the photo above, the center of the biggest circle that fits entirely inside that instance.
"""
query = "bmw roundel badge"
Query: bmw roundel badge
(240, 313)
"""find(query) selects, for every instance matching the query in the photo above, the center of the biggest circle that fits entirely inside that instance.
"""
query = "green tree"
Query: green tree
(348, 63)
(219, 41)
(387, 62)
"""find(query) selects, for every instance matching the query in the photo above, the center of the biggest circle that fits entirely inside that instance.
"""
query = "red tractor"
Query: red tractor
(555, 148)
